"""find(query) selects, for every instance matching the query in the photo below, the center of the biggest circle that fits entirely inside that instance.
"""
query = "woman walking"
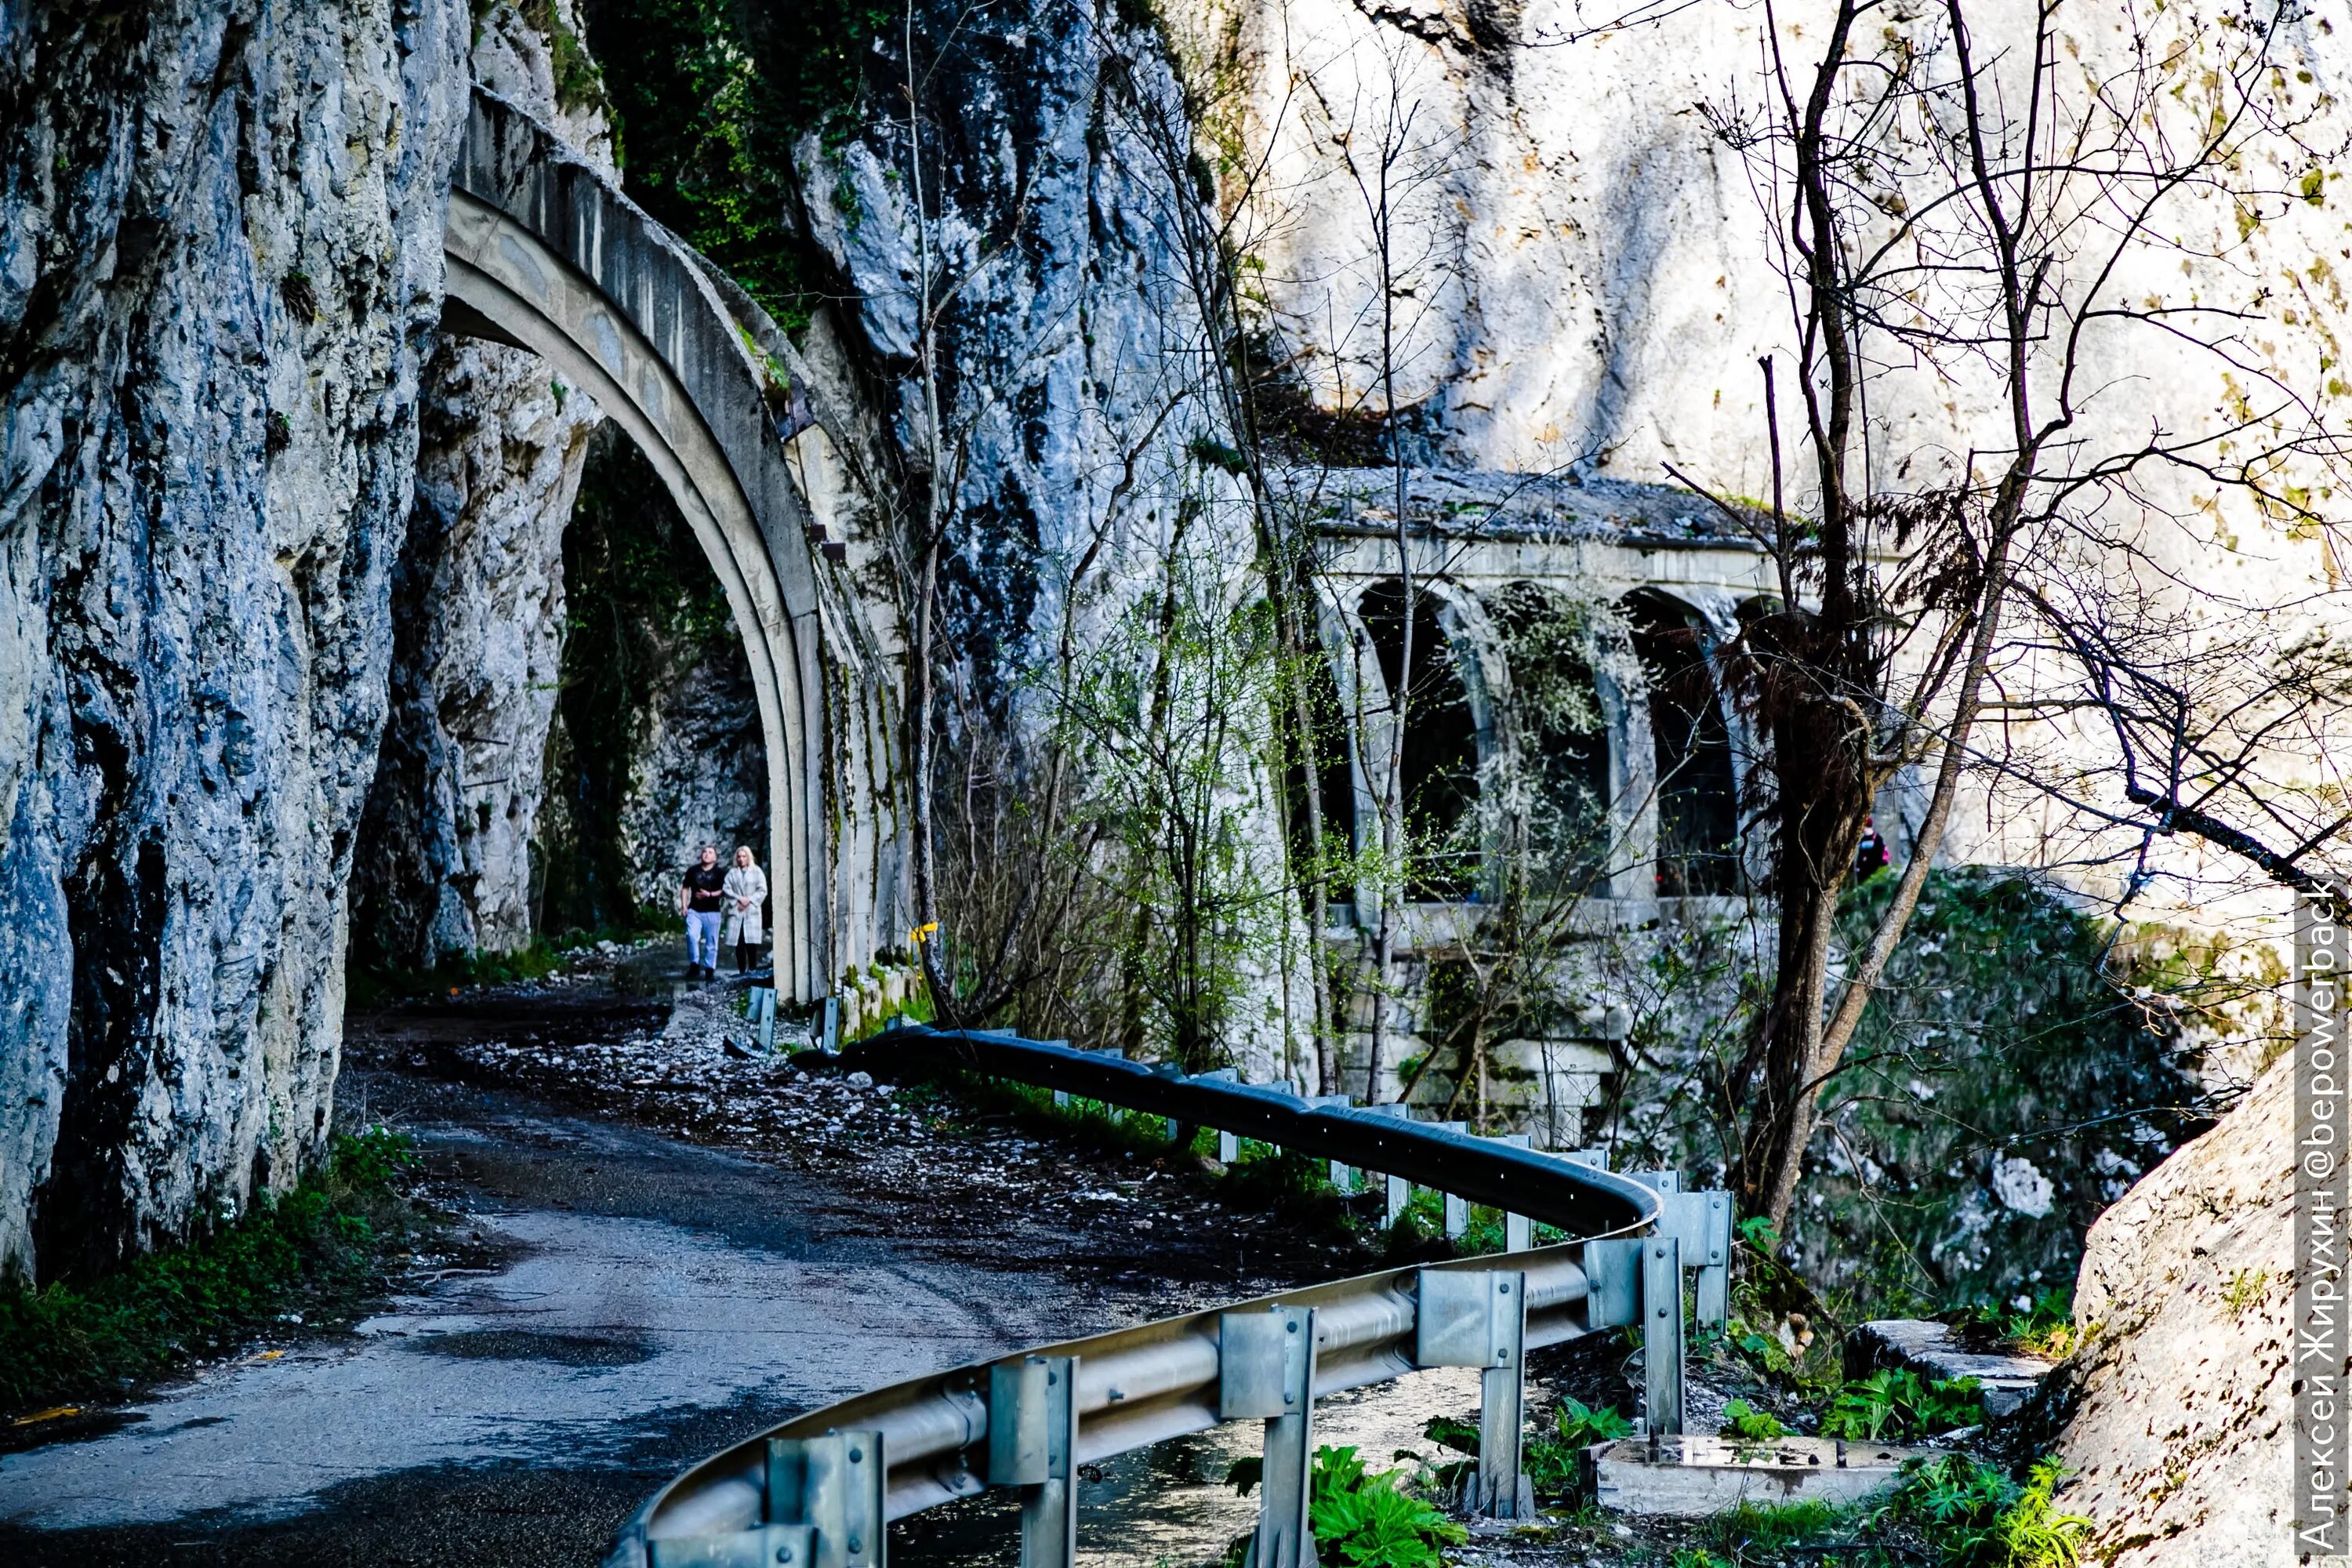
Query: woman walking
(747, 892)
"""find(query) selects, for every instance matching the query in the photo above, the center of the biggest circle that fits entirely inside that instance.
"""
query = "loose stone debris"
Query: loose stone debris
(985, 1186)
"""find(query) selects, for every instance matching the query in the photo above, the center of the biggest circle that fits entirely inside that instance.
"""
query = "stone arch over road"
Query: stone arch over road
(545, 254)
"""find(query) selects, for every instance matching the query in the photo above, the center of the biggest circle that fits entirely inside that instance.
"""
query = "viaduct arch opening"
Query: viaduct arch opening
(543, 253)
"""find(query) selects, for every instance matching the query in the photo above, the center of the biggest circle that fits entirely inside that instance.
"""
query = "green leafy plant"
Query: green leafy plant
(1754, 1532)
(1366, 1519)
(1767, 1353)
(1582, 1425)
(1894, 1403)
(1451, 1432)
(1973, 1516)
(1555, 1465)
(2045, 1326)
(1744, 1421)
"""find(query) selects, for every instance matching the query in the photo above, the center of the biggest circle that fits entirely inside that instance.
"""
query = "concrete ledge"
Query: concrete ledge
(1932, 1349)
(1694, 1477)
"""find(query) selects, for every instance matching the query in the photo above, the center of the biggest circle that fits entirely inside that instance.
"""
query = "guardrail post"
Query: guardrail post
(1400, 1190)
(1503, 1490)
(1711, 1291)
(1265, 1367)
(832, 1041)
(1462, 1318)
(833, 1488)
(1457, 1208)
(1701, 1222)
(1518, 1230)
(1343, 1180)
(1613, 1282)
(1661, 1334)
(1032, 1443)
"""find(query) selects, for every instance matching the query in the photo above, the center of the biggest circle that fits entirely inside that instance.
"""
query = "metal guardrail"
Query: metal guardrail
(818, 1491)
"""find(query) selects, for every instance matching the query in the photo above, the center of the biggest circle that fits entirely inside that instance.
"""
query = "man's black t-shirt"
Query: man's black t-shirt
(705, 887)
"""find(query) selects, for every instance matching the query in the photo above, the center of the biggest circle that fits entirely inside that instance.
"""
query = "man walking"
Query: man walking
(703, 901)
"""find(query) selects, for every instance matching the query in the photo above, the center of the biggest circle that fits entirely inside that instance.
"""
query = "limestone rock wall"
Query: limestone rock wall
(444, 866)
(1074, 401)
(445, 853)
(2180, 1421)
(220, 260)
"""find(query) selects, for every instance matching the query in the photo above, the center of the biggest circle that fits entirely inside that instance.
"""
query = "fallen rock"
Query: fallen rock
(2177, 1403)
(1934, 1350)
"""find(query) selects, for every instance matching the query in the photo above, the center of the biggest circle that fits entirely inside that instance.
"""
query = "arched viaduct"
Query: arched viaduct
(544, 253)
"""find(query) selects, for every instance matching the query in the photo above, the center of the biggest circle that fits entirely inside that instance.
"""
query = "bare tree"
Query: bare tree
(1397, 159)
(1970, 228)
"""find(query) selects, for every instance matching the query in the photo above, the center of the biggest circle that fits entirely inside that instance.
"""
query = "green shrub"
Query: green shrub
(1973, 1516)
(323, 1240)
(1555, 1465)
(1770, 1529)
(2046, 1326)
(1582, 1425)
(1450, 1432)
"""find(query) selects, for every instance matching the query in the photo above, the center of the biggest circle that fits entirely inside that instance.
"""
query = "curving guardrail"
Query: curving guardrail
(818, 1491)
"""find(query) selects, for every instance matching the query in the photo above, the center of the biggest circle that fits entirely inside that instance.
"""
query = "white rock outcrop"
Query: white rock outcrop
(2179, 1426)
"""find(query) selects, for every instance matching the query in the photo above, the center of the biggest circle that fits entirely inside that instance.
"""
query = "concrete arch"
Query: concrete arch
(544, 253)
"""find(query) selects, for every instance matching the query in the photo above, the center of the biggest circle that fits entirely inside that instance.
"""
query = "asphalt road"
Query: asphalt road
(632, 1300)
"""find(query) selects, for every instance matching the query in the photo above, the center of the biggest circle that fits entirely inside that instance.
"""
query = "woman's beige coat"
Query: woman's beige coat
(743, 924)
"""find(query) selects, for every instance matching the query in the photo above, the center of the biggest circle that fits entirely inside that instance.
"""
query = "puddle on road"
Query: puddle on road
(1170, 1506)
(517, 1344)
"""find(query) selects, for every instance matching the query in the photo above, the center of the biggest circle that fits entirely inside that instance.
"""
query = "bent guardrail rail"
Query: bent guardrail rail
(818, 1491)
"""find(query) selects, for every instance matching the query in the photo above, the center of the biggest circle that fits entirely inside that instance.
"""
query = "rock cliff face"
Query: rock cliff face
(477, 611)
(444, 852)
(2179, 1402)
(220, 257)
